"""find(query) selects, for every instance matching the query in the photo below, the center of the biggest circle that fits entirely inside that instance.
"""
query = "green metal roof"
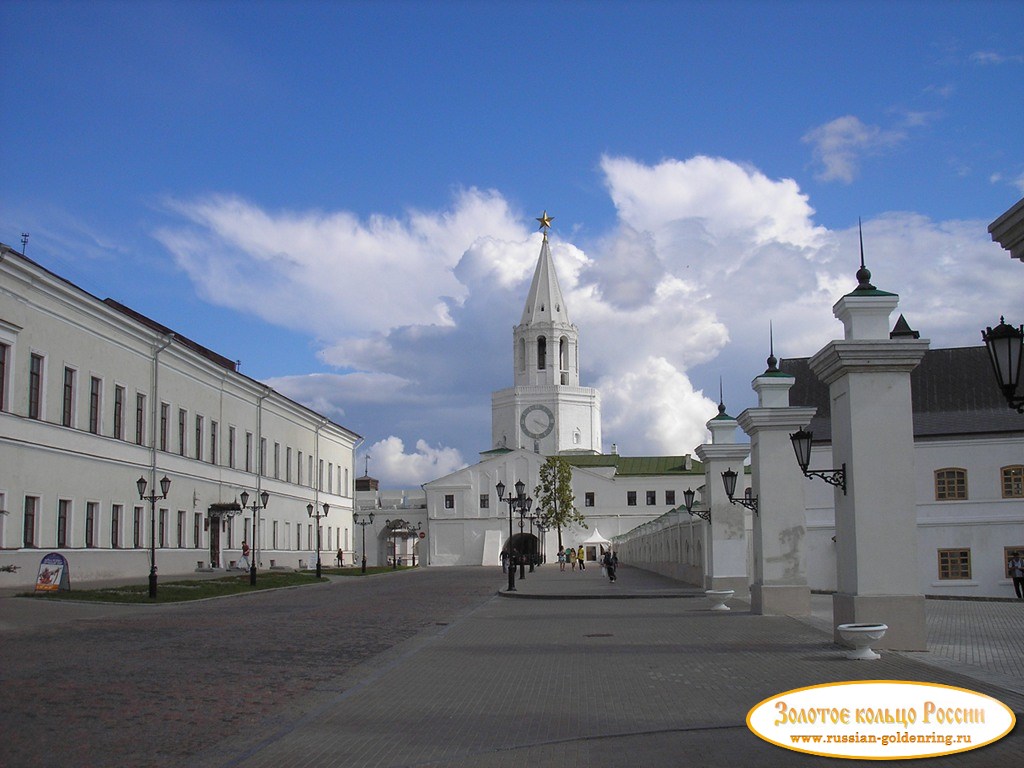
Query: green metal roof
(637, 465)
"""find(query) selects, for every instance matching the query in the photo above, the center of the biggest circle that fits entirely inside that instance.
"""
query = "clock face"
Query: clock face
(537, 421)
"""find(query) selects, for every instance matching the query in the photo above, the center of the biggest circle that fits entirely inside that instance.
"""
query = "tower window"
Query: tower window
(542, 353)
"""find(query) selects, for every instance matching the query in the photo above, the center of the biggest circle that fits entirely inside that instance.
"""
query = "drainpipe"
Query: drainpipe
(156, 405)
(259, 482)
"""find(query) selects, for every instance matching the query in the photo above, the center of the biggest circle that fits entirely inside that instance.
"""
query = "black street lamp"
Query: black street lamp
(520, 503)
(264, 498)
(165, 486)
(314, 512)
(363, 523)
(543, 526)
(1005, 346)
(801, 440)
(729, 480)
(688, 496)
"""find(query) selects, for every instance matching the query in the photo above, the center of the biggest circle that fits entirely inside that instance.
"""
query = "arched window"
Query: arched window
(1013, 481)
(542, 353)
(950, 484)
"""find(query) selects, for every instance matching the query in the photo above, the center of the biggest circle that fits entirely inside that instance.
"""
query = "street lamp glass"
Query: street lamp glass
(326, 508)
(141, 485)
(165, 485)
(729, 480)
(688, 496)
(264, 498)
(1005, 350)
(309, 510)
(244, 498)
(500, 487)
(520, 488)
(801, 440)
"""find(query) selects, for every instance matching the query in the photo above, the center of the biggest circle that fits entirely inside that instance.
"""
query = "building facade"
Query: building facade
(94, 396)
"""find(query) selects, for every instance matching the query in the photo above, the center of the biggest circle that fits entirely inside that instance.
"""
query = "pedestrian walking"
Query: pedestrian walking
(570, 555)
(1017, 574)
(561, 559)
(582, 558)
(504, 561)
(609, 564)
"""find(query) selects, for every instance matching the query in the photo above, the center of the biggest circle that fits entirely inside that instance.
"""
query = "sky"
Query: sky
(343, 195)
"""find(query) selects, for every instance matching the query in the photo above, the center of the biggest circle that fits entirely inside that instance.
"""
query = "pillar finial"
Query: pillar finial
(863, 274)
(773, 363)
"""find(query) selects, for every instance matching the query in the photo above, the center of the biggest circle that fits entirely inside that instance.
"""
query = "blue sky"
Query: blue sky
(342, 195)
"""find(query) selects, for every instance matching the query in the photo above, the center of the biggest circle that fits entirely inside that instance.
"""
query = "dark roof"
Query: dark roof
(637, 465)
(953, 392)
(195, 346)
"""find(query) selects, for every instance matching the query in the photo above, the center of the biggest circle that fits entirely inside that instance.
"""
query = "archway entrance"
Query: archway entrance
(524, 544)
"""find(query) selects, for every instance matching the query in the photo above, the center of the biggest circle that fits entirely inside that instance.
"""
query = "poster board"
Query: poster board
(53, 574)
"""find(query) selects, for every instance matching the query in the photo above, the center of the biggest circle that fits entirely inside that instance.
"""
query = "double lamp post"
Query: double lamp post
(520, 503)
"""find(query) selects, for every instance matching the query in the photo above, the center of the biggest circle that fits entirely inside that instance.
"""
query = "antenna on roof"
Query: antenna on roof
(24, 242)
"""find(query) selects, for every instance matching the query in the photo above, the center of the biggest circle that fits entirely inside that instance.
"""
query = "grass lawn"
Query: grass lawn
(180, 591)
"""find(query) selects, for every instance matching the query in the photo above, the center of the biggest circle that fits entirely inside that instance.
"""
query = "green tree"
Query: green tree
(554, 497)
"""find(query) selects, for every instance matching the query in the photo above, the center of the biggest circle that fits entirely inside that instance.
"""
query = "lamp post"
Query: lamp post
(704, 514)
(165, 486)
(1005, 346)
(729, 480)
(543, 526)
(519, 503)
(363, 523)
(312, 511)
(801, 440)
(264, 498)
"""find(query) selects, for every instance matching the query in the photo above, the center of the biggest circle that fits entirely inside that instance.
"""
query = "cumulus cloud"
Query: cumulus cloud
(390, 460)
(839, 146)
(704, 254)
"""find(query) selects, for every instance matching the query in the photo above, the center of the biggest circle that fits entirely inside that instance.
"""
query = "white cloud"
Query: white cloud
(839, 146)
(403, 470)
(993, 57)
(681, 289)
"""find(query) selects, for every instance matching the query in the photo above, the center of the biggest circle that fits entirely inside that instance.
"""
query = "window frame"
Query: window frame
(946, 563)
(1010, 476)
(951, 484)
(630, 498)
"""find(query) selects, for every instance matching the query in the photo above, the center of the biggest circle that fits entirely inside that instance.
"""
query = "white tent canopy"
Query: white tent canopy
(596, 538)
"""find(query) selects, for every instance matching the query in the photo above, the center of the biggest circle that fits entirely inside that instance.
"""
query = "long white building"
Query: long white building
(94, 396)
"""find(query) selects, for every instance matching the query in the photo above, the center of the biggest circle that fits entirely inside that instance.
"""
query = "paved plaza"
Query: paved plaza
(435, 667)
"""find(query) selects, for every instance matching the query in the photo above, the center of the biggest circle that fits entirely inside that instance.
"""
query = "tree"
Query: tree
(554, 497)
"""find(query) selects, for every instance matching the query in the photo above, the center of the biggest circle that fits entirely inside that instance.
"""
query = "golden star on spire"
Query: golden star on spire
(545, 222)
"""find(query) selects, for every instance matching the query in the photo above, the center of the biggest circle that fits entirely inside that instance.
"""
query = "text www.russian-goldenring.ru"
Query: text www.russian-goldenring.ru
(885, 739)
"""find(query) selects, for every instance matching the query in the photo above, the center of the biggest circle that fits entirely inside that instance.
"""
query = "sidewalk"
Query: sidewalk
(567, 679)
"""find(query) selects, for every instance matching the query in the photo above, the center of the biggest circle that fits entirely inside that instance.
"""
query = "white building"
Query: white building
(547, 413)
(94, 395)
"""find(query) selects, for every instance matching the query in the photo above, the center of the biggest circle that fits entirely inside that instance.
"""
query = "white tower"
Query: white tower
(547, 410)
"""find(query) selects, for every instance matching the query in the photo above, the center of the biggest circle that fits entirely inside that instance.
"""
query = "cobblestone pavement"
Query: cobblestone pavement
(97, 685)
(432, 669)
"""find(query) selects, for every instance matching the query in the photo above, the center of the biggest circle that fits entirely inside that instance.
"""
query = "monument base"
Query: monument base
(780, 600)
(903, 614)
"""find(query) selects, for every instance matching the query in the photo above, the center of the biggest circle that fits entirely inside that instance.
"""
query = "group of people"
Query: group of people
(572, 556)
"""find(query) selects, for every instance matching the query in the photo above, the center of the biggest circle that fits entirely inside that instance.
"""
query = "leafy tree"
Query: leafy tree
(554, 497)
